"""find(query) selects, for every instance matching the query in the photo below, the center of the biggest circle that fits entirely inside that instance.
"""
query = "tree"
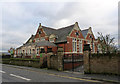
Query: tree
(106, 42)
(11, 51)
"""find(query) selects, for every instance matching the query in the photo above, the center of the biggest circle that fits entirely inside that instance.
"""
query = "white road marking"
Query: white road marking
(2, 71)
(20, 77)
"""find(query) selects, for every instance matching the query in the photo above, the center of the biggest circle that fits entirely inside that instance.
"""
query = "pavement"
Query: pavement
(100, 77)
(11, 73)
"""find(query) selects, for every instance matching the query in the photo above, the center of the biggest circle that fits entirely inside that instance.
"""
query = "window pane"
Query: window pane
(80, 46)
(30, 51)
(37, 51)
(73, 39)
(93, 47)
(51, 39)
(42, 38)
(73, 46)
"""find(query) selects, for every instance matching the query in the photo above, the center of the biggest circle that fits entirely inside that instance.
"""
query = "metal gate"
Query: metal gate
(72, 61)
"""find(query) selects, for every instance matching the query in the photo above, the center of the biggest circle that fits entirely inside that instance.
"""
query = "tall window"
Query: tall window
(99, 49)
(74, 44)
(80, 46)
(30, 51)
(37, 51)
(27, 51)
(93, 47)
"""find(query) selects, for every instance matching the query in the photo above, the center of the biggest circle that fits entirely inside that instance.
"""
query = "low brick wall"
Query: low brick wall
(23, 62)
(68, 66)
(107, 64)
(54, 62)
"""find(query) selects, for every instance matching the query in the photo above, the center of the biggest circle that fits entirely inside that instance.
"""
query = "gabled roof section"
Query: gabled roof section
(63, 33)
(49, 30)
(45, 43)
(84, 32)
(60, 33)
(32, 37)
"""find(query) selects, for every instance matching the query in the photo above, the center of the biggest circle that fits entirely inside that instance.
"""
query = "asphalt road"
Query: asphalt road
(11, 73)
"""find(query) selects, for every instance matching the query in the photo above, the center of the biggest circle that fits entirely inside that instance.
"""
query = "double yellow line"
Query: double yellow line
(75, 78)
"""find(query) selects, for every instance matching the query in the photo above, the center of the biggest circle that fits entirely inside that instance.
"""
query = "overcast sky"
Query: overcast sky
(20, 19)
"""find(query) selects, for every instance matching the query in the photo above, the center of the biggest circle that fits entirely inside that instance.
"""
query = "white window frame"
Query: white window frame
(27, 51)
(51, 39)
(74, 45)
(99, 48)
(30, 51)
(80, 46)
(42, 38)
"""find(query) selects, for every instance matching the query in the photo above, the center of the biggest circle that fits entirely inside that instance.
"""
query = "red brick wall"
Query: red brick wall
(74, 35)
(54, 49)
(68, 45)
(95, 43)
(68, 66)
(88, 37)
(42, 33)
(62, 45)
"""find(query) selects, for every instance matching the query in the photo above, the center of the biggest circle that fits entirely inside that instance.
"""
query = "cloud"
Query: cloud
(21, 19)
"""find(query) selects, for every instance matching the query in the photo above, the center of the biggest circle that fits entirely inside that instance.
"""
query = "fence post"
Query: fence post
(63, 61)
(72, 62)
(48, 60)
(86, 57)
(60, 59)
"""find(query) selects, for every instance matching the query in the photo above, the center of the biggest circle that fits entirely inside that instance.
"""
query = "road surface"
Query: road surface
(11, 73)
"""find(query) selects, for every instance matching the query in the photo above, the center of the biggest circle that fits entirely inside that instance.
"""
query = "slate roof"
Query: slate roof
(60, 33)
(49, 30)
(84, 32)
(63, 33)
(28, 44)
(32, 37)
(44, 43)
